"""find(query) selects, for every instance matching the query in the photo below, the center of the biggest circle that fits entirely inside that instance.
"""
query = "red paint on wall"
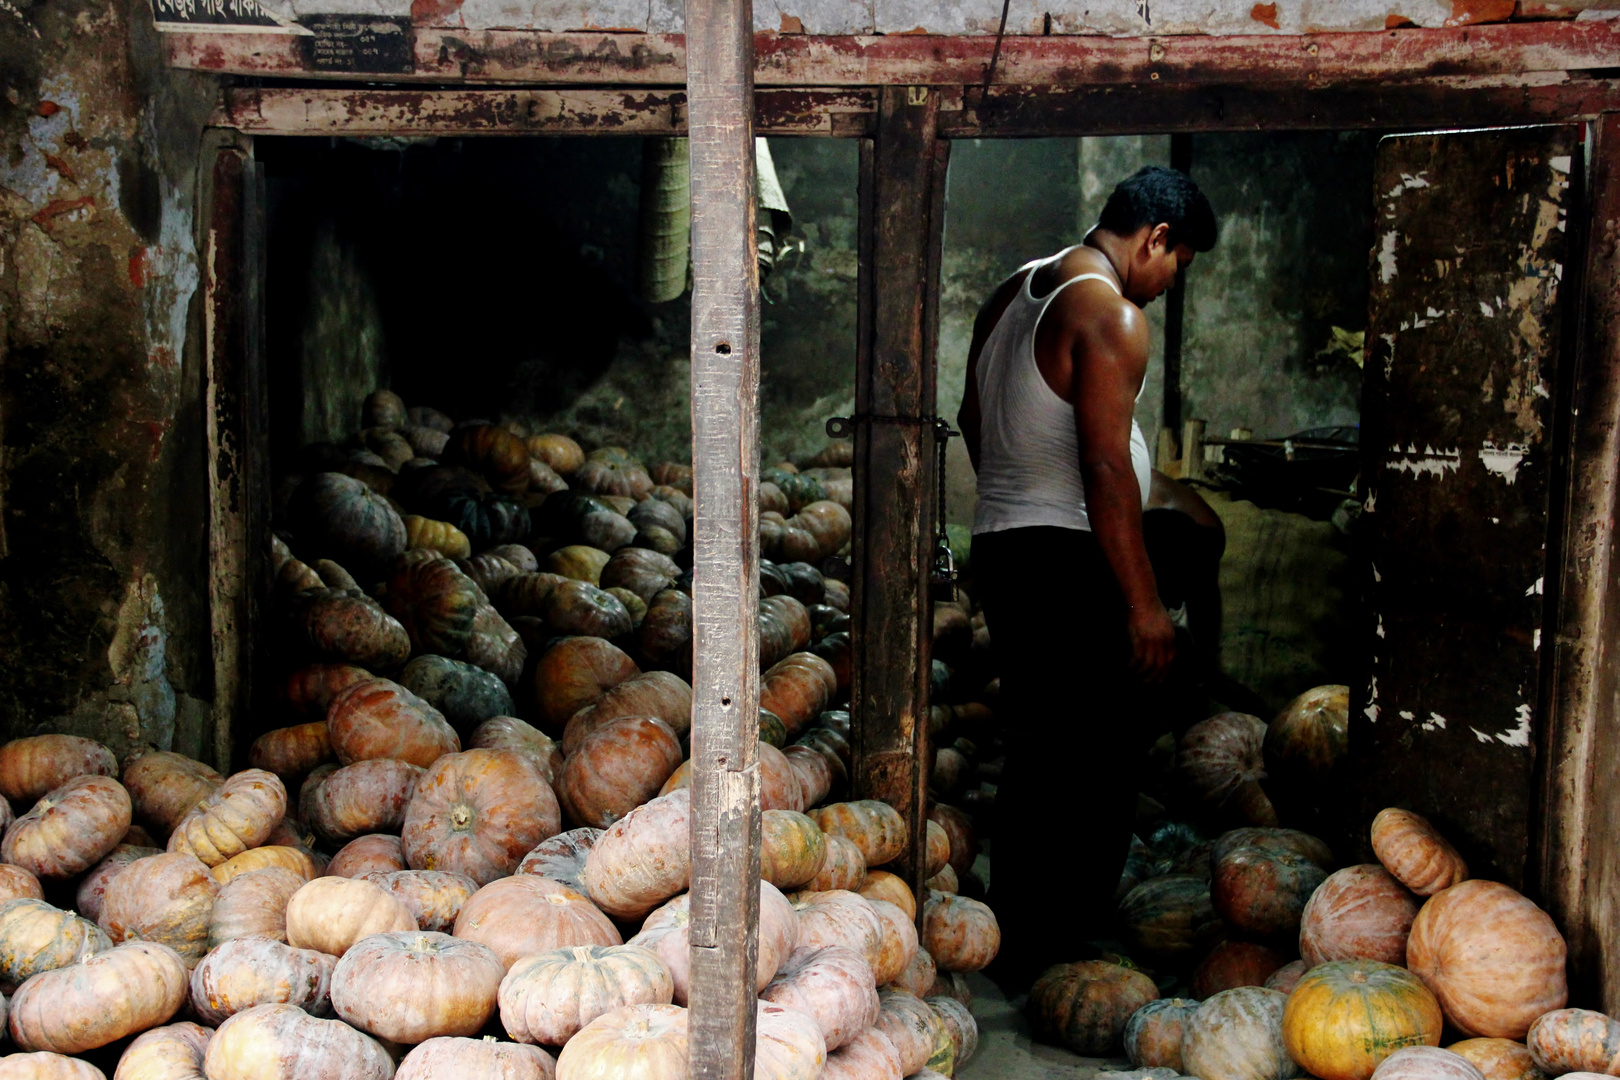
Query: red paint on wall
(49, 108)
(57, 207)
(137, 268)
(1265, 14)
(1398, 22)
(434, 12)
(61, 167)
(1471, 12)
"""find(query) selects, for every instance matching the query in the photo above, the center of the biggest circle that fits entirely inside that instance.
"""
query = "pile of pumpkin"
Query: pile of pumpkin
(461, 891)
(1394, 956)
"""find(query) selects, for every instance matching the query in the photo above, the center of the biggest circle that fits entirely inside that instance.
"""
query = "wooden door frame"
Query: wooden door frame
(837, 88)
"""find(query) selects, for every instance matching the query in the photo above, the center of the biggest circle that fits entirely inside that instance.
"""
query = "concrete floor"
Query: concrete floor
(1006, 1051)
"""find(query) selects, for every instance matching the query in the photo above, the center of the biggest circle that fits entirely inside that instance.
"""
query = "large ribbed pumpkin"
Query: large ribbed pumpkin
(871, 1055)
(547, 998)
(171, 1052)
(875, 827)
(616, 768)
(642, 859)
(164, 786)
(331, 914)
(251, 971)
(1414, 851)
(1222, 762)
(447, 1056)
(366, 797)
(526, 915)
(478, 813)
(434, 897)
(101, 999)
(283, 1042)
(240, 814)
(959, 932)
(1358, 913)
(1261, 882)
(381, 719)
(253, 905)
(1310, 736)
(36, 937)
(29, 767)
(562, 858)
(1085, 1006)
(1154, 1032)
(70, 828)
(667, 931)
(1426, 1063)
(843, 868)
(1575, 1040)
(634, 1042)
(792, 848)
(1494, 959)
(1170, 918)
(416, 985)
(1237, 1035)
(787, 1044)
(1232, 964)
(165, 898)
(653, 693)
(1347, 1016)
(834, 984)
(573, 673)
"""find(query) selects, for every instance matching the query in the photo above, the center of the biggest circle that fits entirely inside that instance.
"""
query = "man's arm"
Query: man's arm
(1109, 356)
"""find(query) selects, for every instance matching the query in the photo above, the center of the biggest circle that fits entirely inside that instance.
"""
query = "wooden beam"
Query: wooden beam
(1175, 307)
(568, 111)
(456, 55)
(1579, 843)
(725, 548)
(894, 452)
(234, 418)
(1052, 111)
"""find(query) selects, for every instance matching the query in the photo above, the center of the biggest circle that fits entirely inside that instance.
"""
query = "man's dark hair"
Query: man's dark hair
(1154, 194)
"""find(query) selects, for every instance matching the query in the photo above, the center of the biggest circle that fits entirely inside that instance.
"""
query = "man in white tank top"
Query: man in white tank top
(1057, 361)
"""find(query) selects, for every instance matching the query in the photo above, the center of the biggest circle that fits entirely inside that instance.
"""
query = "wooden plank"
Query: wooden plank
(238, 483)
(1462, 368)
(380, 111)
(1052, 111)
(894, 476)
(1579, 850)
(451, 55)
(725, 548)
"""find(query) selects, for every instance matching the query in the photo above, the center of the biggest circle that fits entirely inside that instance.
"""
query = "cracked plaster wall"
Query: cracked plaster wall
(103, 601)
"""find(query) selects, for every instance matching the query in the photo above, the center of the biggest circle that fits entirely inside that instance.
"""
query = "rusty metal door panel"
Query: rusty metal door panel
(1458, 415)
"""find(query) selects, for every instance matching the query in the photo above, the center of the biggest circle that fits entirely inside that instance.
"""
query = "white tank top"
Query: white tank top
(1029, 450)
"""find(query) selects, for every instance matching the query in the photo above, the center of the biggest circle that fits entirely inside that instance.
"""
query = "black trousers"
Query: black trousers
(1074, 725)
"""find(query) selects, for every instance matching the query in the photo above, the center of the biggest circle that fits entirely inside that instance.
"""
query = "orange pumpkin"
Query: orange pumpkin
(642, 859)
(499, 455)
(898, 943)
(70, 828)
(832, 984)
(814, 773)
(1310, 736)
(367, 855)
(792, 848)
(843, 868)
(309, 690)
(527, 915)
(1494, 959)
(1170, 918)
(32, 766)
(92, 887)
(797, 689)
(350, 628)
(1358, 913)
(560, 452)
(253, 905)
(875, 827)
(1154, 1032)
(381, 719)
(1085, 1006)
(960, 1023)
(439, 536)
(787, 1044)
(251, 971)
(288, 752)
(960, 933)
(1500, 1059)
(667, 932)
(962, 843)
(636, 1042)
(919, 976)
(1237, 1035)
(573, 673)
(510, 733)
(549, 997)
(912, 1026)
(416, 985)
(1575, 1040)
(365, 797)
(870, 1055)
(240, 814)
(47, 1066)
(652, 693)
(1415, 853)
(164, 786)
(882, 885)
(164, 898)
(616, 768)
(641, 570)
(99, 1000)
(1347, 1016)
(478, 813)
(330, 914)
(298, 1044)
(1285, 978)
(1234, 963)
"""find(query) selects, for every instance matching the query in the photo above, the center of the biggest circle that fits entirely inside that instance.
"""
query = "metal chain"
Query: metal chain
(944, 574)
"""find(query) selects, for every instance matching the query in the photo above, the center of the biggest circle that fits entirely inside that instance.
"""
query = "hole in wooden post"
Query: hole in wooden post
(726, 702)
(724, 348)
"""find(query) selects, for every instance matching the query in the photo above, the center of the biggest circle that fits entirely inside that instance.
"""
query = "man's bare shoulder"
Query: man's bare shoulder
(1094, 311)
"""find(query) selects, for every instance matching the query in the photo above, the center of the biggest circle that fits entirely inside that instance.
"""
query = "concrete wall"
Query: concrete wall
(103, 603)
(1296, 226)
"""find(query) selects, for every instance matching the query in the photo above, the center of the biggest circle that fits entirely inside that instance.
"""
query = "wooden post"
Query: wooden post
(1578, 845)
(1175, 307)
(725, 555)
(238, 468)
(902, 175)
(1192, 450)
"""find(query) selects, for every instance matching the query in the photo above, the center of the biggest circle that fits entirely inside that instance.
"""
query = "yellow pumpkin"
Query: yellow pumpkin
(1347, 1016)
(440, 536)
